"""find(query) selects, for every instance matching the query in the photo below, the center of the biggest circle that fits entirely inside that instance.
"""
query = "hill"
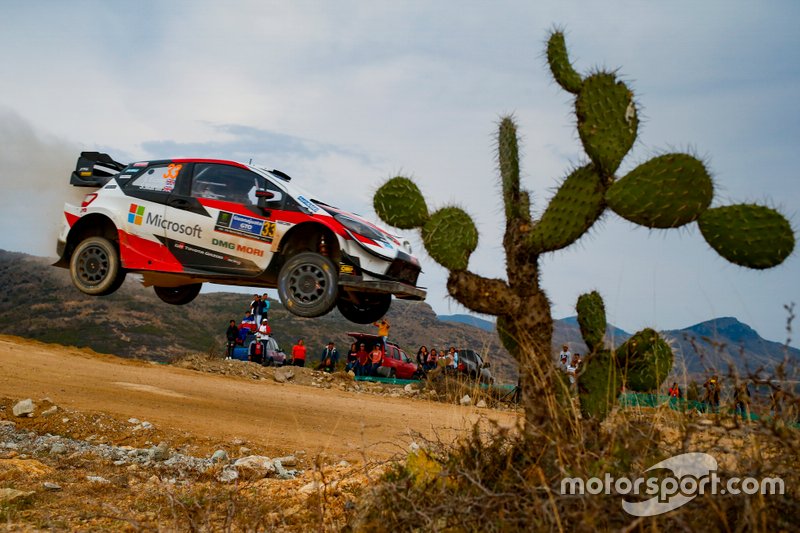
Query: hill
(38, 301)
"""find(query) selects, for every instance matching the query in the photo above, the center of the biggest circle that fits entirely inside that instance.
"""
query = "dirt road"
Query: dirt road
(280, 417)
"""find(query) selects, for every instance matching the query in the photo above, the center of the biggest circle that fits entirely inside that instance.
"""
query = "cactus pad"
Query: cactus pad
(592, 319)
(599, 384)
(450, 237)
(666, 192)
(400, 203)
(572, 211)
(607, 121)
(645, 360)
(749, 235)
(560, 66)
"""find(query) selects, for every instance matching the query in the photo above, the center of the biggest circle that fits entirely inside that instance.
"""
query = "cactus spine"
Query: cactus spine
(668, 191)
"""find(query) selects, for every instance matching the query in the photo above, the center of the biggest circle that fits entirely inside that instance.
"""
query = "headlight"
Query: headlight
(359, 227)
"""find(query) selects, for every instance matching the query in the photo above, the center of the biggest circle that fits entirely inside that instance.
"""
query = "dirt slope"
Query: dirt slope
(280, 417)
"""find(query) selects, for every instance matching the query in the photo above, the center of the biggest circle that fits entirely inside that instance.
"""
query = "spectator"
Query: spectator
(264, 331)
(422, 356)
(299, 353)
(741, 401)
(362, 368)
(352, 358)
(711, 398)
(375, 359)
(232, 334)
(565, 357)
(383, 328)
(675, 391)
(328, 358)
(433, 356)
(249, 321)
(264, 306)
(573, 368)
(255, 308)
(452, 359)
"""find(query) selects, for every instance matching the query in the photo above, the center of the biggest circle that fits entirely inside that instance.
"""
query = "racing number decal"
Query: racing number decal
(268, 230)
(170, 176)
(172, 171)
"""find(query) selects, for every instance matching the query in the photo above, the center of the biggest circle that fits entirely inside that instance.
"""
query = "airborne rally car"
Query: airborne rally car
(180, 223)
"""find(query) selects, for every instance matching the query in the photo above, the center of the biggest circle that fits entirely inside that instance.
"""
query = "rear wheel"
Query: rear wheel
(370, 307)
(95, 267)
(392, 373)
(308, 285)
(178, 295)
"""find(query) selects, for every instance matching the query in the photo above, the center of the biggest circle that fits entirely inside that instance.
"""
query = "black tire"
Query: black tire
(95, 267)
(178, 295)
(308, 285)
(370, 308)
(269, 362)
(392, 374)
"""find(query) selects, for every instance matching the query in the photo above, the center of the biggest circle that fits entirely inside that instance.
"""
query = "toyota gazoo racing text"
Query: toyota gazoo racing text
(182, 222)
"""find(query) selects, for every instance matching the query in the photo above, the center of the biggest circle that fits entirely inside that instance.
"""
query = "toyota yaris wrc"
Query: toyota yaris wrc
(180, 223)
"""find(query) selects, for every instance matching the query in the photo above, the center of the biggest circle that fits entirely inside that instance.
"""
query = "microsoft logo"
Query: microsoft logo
(135, 214)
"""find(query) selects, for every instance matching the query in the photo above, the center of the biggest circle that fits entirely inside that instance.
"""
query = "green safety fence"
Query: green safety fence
(638, 399)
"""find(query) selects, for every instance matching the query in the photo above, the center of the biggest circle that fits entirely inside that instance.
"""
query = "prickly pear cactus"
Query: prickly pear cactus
(668, 191)
(641, 363)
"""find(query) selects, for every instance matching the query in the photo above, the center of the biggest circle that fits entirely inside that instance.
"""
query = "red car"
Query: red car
(396, 363)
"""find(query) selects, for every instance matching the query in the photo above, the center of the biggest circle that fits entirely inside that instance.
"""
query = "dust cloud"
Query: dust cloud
(34, 185)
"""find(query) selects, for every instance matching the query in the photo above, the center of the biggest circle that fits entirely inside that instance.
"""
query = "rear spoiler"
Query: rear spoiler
(94, 169)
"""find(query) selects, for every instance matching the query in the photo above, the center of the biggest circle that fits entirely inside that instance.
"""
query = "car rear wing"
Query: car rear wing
(94, 169)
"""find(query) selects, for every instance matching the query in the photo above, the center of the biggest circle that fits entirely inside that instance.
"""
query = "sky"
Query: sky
(344, 95)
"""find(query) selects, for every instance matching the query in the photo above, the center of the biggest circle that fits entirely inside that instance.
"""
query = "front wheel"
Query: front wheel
(308, 285)
(369, 307)
(95, 267)
(178, 295)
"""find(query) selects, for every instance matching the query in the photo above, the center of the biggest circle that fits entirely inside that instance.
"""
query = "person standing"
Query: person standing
(255, 308)
(232, 334)
(264, 306)
(741, 401)
(565, 357)
(299, 353)
(362, 368)
(383, 328)
(375, 360)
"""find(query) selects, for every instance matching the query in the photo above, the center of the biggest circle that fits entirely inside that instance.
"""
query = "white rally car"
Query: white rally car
(182, 222)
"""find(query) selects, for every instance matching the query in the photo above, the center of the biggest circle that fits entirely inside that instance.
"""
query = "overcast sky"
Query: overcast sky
(343, 95)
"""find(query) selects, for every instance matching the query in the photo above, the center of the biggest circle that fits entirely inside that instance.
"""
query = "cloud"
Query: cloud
(34, 174)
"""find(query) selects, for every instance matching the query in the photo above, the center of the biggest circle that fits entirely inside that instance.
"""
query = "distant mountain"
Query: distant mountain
(724, 342)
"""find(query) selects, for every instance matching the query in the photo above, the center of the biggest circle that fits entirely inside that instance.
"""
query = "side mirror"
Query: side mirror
(263, 196)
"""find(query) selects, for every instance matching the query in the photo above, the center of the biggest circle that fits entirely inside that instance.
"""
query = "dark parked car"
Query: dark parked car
(396, 363)
(472, 364)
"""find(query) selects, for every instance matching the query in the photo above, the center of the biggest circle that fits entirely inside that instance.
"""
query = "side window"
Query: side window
(225, 182)
(157, 178)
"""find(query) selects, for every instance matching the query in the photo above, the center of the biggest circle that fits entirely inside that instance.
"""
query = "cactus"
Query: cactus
(668, 191)
(641, 363)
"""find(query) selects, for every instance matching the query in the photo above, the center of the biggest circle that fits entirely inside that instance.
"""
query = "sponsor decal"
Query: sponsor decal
(241, 248)
(170, 176)
(346, 269)
(308, 204)
(184, 247)
(140, 164)
(135, 214)
(244, 226)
